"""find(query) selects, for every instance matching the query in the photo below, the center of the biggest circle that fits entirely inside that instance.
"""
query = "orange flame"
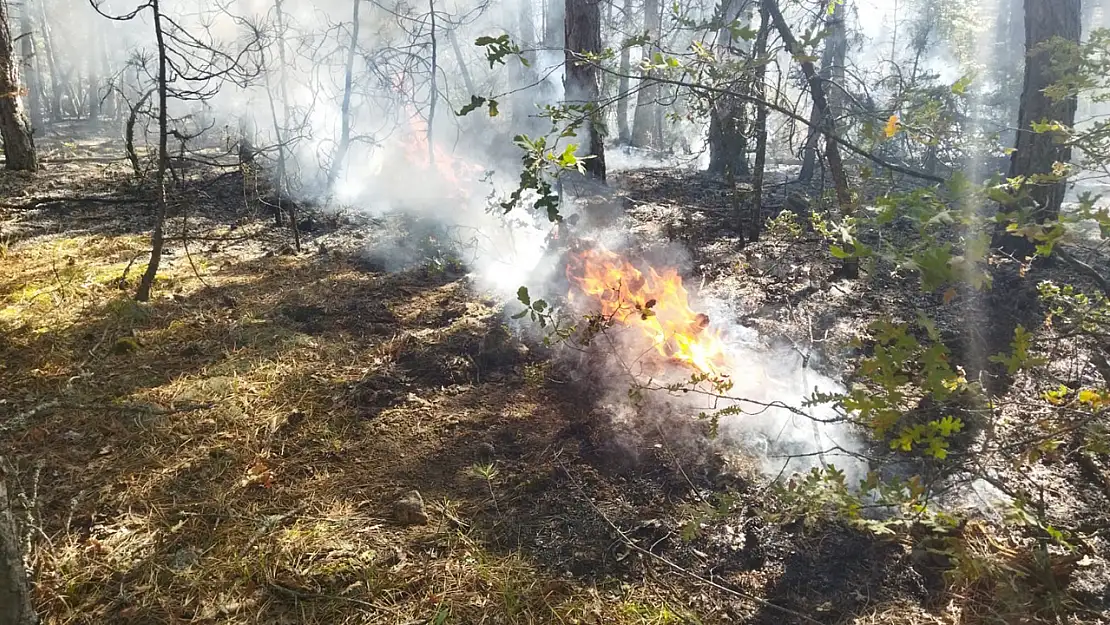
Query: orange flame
(656, 304)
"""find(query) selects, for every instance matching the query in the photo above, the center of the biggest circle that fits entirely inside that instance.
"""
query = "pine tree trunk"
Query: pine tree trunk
(1036, 153)
(15, 128)
(583, 36)
(15, 593)
(646, 98)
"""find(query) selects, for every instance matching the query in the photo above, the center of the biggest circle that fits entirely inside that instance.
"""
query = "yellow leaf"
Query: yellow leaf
(1092, 398)
(892, 126)
(949, 295)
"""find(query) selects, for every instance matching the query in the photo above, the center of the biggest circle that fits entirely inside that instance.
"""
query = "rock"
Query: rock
(409, 509)
(184, 559)
(486, 450)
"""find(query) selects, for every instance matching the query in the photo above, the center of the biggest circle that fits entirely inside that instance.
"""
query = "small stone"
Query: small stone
(184, 558)
(409, 509)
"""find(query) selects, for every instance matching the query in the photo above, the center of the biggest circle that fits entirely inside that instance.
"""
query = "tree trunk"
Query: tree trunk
(820, 101)
(345, 113)
(52, 65)
(646, 98)
(15, 128)
(1036, 153)
(93, 64)
(30, 76)
(728, 141)
(624, 133)
(832, 71)
(760, 92)
(15, 593)
(157, 239)
(583, 36)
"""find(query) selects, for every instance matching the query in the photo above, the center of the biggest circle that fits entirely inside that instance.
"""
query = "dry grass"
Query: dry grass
(211, 456)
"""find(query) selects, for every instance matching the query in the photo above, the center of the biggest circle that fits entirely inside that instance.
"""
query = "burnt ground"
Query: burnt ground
(234, 450)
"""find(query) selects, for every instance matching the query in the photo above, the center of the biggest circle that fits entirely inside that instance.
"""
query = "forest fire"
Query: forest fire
(656, 304)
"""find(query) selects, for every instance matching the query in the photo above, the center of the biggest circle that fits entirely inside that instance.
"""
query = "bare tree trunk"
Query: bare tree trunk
(280, 128)
(52, 65)
(1036, 153)
(15, 592)
(817, 91)
(644, 117)
(583, 36)
(15, 128)
(832, 71)
(624, 134)
(157, 241)
(129, 133)
(30, 76)
(760, 92)
(554, 15)
(468, 82)
(345, 113)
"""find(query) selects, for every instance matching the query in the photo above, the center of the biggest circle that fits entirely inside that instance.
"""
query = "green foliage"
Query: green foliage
(499, 48)
(1020, 356)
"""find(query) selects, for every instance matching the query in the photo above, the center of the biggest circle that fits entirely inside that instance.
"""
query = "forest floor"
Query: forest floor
(242, 448)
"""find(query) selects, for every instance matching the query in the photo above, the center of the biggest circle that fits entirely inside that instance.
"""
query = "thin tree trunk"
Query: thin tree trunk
(1037, 153)
(280, 129)
(624, 133)
(832, 71)
(433, 95)
(468, 82)
(15, 128)
(157, 238)
(30, 76)
(345, 112)
(760, 91)
(15, 592)
(644, 118)
(52, 65)
(820, 101)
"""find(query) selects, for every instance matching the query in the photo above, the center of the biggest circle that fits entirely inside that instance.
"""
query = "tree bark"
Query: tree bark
(15, 128)
(647, 97)
(1037, 153)
(583, 36)
(157, 239)
(15, 592)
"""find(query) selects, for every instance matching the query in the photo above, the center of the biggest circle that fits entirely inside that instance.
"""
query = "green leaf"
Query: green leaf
(522, 295)
(475, 103)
